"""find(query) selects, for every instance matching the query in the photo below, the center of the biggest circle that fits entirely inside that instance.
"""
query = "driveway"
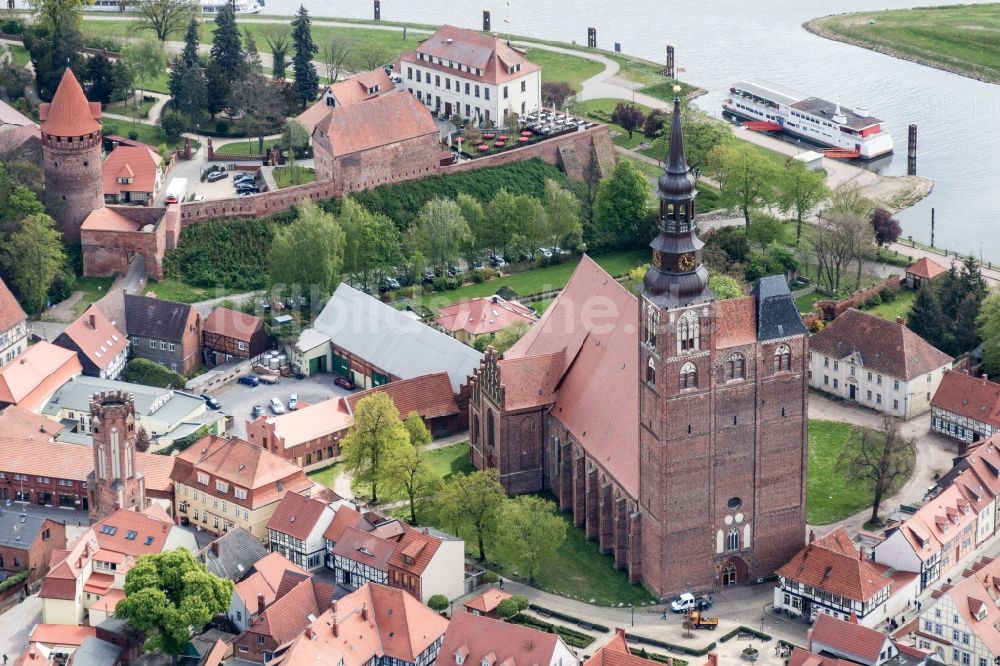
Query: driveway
(16, 625)
(238, 399)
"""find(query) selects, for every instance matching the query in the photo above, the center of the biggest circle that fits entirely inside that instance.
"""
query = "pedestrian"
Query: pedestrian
(501, 583)
(664, 616)
(5, 659)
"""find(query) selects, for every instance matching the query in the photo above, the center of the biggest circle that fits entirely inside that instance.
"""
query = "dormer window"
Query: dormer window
(459, 658)
(364, 551)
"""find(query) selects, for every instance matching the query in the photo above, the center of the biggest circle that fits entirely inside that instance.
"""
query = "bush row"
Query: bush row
(683, 649)
(146, 372)
(573, 638)
(653, 656)
(16, 579)
(745, 630)
(541, 610)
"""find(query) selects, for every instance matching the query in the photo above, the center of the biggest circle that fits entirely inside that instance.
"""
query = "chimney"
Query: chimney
(215, 548)
(364, 612)
(333, 606)
(496, 299)
(260, 602)
(985, 377)
(620, 631)
(309, 633)
(336, 631)
(900, 321)
(92, 320)
(812, 535)
(713, 659)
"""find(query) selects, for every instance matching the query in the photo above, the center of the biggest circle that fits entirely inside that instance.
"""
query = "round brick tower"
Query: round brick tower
(71, 156)
(115, 483)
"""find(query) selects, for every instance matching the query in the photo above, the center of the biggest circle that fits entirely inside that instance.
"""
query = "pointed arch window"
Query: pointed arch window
(689, 376)
(735, 367)
(782, 358)
(652, 323)
(688, 332)
(733, 539)
(651, 371)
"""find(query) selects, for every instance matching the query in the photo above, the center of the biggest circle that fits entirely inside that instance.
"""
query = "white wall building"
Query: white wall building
(472, 74)
(13, 326)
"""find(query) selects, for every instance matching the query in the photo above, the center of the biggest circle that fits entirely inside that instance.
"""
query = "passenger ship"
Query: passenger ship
(850, 133)
(207, 6)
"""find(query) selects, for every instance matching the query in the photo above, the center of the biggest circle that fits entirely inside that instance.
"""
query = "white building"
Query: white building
(296, 530)
(877, 363)
(473, 74)
(13, 326)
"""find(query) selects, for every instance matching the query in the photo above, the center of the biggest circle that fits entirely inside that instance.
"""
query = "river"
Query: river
(718, 42)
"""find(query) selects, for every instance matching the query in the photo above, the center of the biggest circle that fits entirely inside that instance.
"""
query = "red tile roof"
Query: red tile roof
(70, 114)
(146, 528)
(926, 268)
(296, 516)
(290, 613)
(365, 547)
(972, 397)
(593, 322)
(108, 219)
(96, 337)
(802, 657)
(487, 314)
(61, 634)
(379, 122)
(737, 318)
(530, 381)
(346, 517)
(232, 324)
(430, 396)
(975, 593)
(889, 348)
(268, 572)
(480, 636)
(140, 164)
(357, 88)
(11, 312)
(488, 600)
(616, 653)
(938, 522)
(833, 564)
(31, 378)
(414, 551)
(849, 638)
(19, 423)
(487, 53)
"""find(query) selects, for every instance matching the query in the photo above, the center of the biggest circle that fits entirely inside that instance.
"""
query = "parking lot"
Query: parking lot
(239, 400)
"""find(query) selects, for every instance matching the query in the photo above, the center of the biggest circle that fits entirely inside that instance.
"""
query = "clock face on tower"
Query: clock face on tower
(657, 259)
(686, 262)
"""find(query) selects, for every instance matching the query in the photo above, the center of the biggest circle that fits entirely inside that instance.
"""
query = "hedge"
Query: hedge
(226, 252)
(670, 646)
(653, 656)
(745, 630)
(146, 372)
(569, 618)
(573, 638)
(16, 579)
(183, 442)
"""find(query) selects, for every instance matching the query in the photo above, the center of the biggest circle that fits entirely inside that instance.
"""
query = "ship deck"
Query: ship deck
(824, 109)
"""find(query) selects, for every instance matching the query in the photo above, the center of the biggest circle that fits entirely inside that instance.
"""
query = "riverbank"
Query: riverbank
(960, 39)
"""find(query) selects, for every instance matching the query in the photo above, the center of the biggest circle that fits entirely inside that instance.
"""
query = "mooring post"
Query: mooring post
(911, 152)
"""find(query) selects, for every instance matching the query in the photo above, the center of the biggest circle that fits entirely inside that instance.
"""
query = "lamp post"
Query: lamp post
(632, 610)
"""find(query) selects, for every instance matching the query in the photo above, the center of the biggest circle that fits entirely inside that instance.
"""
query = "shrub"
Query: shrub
(408, 292)
(506, 293)
(489, 273)
(148, 373)
(16, 579)
(508, 608)
(491, 578)
(888, 294)
(477, 275)
(521, 601)
(223, 252)
(756, 269)
(222, 127)
(438, 602)
(173, 123)
(873, 301)
(12, 26)
(817, 326)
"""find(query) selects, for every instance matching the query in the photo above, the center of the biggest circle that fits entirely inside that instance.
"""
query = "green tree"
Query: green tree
(800, 190)
(55, 42)
(190, 52)
(100, 78)
(966, 333)
(530, 533)
(501, 222)
(988, 325)
(562, 213)
(409, 474)
(257, 98)
(764, 230)
(376, 436)
(475, 217)
(925, 318)
(145, 59)
(188, 89)
(475, 500)
(306, 80)
(507, 609)
(220, 90)
(505, 338)
(438, 602)
(171, 598)
(972, 280)
(746, 177)
(227, 47)
(621, 207)
(142, 440)
(20, 203)
(164, 17)
(309, 252)
(277, 41)
(295, 137)
(878, 459)
(58, 14)
(372, 245)
(724, 287)
(172, 123)
(32, 257)
(701, 134)
(533, 230)
(629, 116)
(415, 426)
(440, 232)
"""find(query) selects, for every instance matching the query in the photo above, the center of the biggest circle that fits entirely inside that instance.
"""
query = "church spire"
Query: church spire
(677, 276)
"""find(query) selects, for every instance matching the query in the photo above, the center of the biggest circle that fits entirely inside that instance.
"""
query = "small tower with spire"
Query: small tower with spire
(71, 156)
(115, 482)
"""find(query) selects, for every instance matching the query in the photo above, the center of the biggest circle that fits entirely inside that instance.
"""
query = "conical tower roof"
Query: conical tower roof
(70, 114)
(677, 182)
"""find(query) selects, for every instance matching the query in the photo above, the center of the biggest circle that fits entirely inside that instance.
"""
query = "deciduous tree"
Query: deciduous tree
(308, 253)
(440, 232)
(562, 215)
(878, 459)
(764, 230)
(988, 325)
(337, 52)
(533, 230)
(164, 17)
(555, 93)
(501, 222)
(475, 217)
(746, 177)
(32, 257)
(141, 440)
(621, 207)
(438, 602)
(146, 59)
(372, 242)
(530, 533)
(475, 500)
(887, 228)
(171, 598)
(419, 434)
(306, 81)
(655, 121)
(376, 436)
(800, 190)
(278, 41)
(409, 474)
(724, 287)
(370, 55)
(629, 116)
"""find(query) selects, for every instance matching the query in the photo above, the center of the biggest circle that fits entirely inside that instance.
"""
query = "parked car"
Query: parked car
(497, 262)
(546, 252)
(396, 78)
(688, 602)
(258, 410)
(243, 175)
(211, 402)
(293, 402)
(344, 383)
(277, 407)
(429, 277)
(390, 284)
(249, 380)
(216, 176)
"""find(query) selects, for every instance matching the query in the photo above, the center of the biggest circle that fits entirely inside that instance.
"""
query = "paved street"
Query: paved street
(16, 625)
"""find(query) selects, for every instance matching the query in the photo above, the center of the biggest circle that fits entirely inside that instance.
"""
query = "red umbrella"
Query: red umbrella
(488, 136)
(503, 137)
(526, 133)
(498, 144)
(483, 147)
(524, 139)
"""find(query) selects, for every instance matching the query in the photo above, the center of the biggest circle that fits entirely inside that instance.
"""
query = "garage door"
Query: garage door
(379, 380)
(341, 366)
(317, 365)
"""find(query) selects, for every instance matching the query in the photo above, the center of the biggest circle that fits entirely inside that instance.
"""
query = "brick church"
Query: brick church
(672, 425)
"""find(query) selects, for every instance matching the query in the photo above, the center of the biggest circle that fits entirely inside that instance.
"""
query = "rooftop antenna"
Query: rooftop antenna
(506, 21)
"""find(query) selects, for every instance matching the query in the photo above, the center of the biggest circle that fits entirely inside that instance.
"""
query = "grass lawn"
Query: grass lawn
(453, 459)
(830, 495)
(242, 147)
(578, 571)
(287, 176)
(124, 108)
(805, 303)
(20, 54)
(93, 288)
(536, 280)
(708, 196)
(171, 289)
(327, 475)
(150, 134)
(601, 109)
(959, 38)
(898, 308)
(541, 306)
(562, 67)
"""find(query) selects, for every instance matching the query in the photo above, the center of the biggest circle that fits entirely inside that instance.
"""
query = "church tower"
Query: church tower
(71, 156)
(721, 409)
(115, 483)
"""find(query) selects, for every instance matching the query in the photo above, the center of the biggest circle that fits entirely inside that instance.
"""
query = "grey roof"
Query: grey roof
(777, 315)
(238, 551)
(163, 404)
(18, 530)
(95, 652)
(388, 339)
(155, 318)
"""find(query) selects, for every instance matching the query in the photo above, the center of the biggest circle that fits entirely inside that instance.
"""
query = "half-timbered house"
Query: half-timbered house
(227, 335)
